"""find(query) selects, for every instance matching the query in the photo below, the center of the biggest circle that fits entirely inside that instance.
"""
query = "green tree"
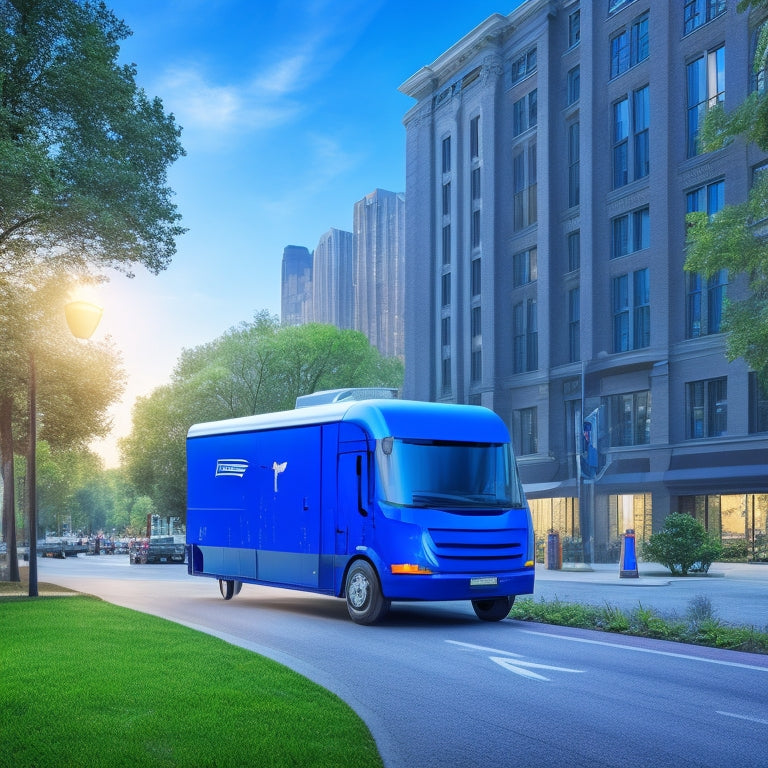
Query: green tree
(84, 155)
(736, 237)
(83, 150)
(256, 367)
(682, 544)
(76, 382)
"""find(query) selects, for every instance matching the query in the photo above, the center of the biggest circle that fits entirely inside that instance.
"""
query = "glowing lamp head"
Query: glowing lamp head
(82, 318)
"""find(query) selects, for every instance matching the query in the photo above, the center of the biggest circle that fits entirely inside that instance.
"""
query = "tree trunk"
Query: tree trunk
(9, 505)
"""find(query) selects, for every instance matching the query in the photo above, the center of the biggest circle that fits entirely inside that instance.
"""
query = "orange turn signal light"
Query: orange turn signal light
(410, 568)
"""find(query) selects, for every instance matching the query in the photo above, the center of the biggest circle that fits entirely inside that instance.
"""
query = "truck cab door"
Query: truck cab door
(354, 511)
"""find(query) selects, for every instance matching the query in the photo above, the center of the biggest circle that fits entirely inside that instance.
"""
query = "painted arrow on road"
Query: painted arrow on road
(523, 668)
(513, 662)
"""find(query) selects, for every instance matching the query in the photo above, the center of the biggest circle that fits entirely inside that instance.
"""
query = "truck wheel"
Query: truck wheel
(365, 602)
(229, 588)
(493, 609)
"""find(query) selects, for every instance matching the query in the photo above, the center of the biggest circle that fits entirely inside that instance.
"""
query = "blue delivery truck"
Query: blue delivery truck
(371, 501)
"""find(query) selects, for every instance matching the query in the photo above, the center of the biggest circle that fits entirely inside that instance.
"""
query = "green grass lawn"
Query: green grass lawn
(87, 683)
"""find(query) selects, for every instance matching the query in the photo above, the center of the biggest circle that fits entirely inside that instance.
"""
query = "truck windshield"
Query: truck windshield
(436, 473)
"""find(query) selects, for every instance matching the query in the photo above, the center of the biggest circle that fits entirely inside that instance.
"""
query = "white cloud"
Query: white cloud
(286, 76)
(209, 110)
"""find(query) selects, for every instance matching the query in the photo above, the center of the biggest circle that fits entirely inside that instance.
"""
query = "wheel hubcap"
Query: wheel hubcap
(358, 590)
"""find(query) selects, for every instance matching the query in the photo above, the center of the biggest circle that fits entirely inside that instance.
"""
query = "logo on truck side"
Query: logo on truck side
(277, 469)
(231, 467)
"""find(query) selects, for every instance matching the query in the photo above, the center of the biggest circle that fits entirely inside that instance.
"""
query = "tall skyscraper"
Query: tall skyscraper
(552, 157)
(296, 286)
(332, 281)
(378, 270)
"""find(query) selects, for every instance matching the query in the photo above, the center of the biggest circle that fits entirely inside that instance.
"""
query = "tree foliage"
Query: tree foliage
(256, 367)
(83, 150)
(736, 238)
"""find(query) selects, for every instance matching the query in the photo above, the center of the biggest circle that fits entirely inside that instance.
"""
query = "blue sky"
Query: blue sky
(290, 114)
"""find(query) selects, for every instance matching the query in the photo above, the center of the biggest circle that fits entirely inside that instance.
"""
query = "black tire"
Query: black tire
(365, 602)
(229, 588)
(494, 608)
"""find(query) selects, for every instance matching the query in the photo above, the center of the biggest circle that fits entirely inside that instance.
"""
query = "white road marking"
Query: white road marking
(743, 717)
(514, 664)
(647, 650)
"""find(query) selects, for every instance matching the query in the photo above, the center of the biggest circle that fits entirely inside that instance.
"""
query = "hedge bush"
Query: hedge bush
(682, 545)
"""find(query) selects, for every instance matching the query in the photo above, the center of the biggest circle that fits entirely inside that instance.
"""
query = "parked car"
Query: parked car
(158, 549)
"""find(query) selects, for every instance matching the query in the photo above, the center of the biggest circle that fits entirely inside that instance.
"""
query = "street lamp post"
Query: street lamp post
(82, 319)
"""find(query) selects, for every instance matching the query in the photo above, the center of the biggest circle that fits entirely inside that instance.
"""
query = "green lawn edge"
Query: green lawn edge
(85, 682)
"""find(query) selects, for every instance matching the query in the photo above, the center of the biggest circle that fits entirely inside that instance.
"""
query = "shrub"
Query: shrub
(682, 545)
(737, 550)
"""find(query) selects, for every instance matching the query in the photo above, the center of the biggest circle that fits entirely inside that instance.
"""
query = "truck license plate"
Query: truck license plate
(484, 581)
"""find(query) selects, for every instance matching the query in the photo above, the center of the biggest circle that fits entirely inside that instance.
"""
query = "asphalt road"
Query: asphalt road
(440, 689)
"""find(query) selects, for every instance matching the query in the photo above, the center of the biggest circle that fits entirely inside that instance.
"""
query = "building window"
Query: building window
(574, 250)
(693, 328)
(629, 418)
(631, 311)
(525, 431)
(445, 373)
(446, 289)
(620, 142)
(475, 183)
(630, 232)
(447, 154)
(445, 334)
(447, 199)
(574, 85)
(523, 65)
(706, 408)
(574, 28)
(640, 122)
(524, 186)
(476, 372)
(759, 77)
(476, 276)
(525, 113)
(573, 164)
(447, 244)
(621, 313)
(574, 332)
(617, 5)
(474, 137)
(758, 404)
(706, 88)
(698, 12)
(716, 286)
(620, 236)
(476, 326)
(619, 53)
(641, 229)
(641, 308)
(475, 228)
(629, 46)
(524, 267)
(518, 338)
(638, 44)
(525, 337)
(709, 199)
(705, 318)
(531, 336)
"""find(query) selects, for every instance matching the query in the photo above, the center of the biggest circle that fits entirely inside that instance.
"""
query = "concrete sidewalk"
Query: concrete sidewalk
(738, 592)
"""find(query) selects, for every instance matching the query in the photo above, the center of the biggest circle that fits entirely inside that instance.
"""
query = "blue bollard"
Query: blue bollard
(628, 562)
